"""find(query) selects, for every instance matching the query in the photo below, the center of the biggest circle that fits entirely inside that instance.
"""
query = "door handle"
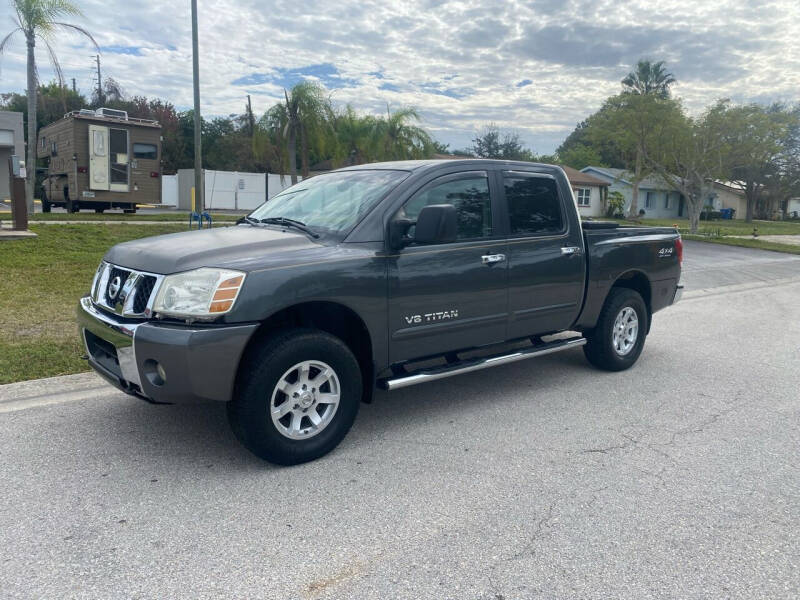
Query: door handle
(570, 250)
(490, 259)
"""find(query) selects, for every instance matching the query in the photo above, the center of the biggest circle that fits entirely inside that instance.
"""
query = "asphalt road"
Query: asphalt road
(542, 479)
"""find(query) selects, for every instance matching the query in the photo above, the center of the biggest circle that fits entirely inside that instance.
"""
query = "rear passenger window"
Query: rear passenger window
(533, 205)
(470, 196)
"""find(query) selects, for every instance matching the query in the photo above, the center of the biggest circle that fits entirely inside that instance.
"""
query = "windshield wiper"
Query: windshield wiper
(248, 220)
(286, 222)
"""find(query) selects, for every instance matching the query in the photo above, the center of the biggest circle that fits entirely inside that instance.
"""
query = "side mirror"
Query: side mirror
(397, 233)
(436, 224)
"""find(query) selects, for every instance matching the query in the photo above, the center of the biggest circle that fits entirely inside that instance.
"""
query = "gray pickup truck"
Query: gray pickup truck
(383, 275)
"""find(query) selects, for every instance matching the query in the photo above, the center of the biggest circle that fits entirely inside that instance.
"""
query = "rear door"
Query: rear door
(546, 269)
(446, 297)
(98, 158)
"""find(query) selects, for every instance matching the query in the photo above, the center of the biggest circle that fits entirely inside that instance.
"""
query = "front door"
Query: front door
(546, 271)
(451, 296)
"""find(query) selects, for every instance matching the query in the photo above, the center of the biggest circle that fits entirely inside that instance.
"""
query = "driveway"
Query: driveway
(541, 479)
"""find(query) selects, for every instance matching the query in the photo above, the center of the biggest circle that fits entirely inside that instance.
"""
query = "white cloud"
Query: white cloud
(457, 62)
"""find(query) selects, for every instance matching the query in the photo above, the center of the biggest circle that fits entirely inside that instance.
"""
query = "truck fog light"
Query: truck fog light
(155, 372)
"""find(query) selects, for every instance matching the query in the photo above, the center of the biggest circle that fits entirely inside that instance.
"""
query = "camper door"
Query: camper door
(98, 157)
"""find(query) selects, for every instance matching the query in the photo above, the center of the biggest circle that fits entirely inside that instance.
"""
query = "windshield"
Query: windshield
(332, 203)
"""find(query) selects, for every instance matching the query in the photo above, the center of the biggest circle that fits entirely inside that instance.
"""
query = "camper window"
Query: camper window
(98, 143)
(145, 151)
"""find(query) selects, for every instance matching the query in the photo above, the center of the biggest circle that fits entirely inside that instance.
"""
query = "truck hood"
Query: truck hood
(241, 247)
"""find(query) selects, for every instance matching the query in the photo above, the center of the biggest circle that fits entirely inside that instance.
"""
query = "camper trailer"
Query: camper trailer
(100, 159)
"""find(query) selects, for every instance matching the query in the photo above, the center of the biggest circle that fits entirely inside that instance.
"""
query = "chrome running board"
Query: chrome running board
(476, 364)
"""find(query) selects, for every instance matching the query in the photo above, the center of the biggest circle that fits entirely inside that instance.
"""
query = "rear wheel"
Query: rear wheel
(617, 341)
(99, 211)
(297, 396)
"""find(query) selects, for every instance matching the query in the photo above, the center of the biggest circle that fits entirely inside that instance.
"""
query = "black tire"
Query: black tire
(99, 211)
(600, 349)
(129, 211)
(261, 370)
(72, 206)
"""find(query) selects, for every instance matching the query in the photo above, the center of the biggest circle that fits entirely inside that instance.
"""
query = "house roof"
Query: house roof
(580, 178)
(653, 182)
(730, 186)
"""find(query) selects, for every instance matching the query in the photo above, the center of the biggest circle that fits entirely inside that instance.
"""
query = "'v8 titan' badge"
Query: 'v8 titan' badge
(431, 317)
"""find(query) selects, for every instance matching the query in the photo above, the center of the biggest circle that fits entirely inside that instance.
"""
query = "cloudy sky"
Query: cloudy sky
(537, 67)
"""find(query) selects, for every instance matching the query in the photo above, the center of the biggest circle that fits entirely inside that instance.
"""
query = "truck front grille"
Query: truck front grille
(126, 292)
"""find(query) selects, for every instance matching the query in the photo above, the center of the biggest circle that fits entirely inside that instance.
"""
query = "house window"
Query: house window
(583, 195)
(54, 149)
(668, 200)
(648, 201)
(43, 142)
(145, 151)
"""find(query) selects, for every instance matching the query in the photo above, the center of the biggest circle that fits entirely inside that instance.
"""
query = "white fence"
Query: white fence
(169, 190)
(224, 190)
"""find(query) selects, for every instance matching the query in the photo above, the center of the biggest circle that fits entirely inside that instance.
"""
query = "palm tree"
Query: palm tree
(303, 118)
(355, 137)
(40, 19)
(398, 139)
(649, 79)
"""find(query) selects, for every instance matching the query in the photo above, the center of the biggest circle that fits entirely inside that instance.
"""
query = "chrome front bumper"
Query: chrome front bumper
(199, 361)
(95, 322)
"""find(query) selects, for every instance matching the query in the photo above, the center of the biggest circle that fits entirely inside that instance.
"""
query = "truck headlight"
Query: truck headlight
(199, 294)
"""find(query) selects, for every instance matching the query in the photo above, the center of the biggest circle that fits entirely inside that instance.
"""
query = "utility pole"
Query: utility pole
(73, 85)
(99, 82)
(251, 120)
(198, 156)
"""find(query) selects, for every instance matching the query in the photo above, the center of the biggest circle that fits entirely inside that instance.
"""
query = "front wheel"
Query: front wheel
(618, 338)
(296, 397)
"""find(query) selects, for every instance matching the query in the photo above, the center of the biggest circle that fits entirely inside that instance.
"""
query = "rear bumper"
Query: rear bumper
(163, 362)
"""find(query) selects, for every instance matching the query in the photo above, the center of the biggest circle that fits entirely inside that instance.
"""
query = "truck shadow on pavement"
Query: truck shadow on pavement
(200, 432)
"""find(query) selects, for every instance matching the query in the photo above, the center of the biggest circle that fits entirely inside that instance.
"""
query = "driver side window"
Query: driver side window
(470, 196)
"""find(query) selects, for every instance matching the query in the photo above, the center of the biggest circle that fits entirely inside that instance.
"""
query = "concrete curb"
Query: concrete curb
(51, 390)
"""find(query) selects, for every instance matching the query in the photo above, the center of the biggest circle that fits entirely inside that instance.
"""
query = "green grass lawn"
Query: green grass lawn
(41, 280)
(724, 227)
(746, 243)
(92, 216)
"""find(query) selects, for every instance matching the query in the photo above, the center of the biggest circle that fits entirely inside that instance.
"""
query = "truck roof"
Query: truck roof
(418, 165)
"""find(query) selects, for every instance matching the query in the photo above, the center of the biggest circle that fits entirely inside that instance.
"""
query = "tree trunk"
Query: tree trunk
(291, 150)
(693, 206)
(30, 163)
(750, 197)
(304, 150)
(633, 211)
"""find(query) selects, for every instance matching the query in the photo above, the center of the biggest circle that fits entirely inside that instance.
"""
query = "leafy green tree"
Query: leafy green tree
(649, 78)
(758, 138)
(580, 156)
(581, 139)
(630, 122)
(40, 20)
(691, 154)
(505, 145)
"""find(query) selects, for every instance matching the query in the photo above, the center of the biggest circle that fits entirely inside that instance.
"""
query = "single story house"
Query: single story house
(656, 198)
(727, 195)
(793, 208)
(590, 192)
(11, 142)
